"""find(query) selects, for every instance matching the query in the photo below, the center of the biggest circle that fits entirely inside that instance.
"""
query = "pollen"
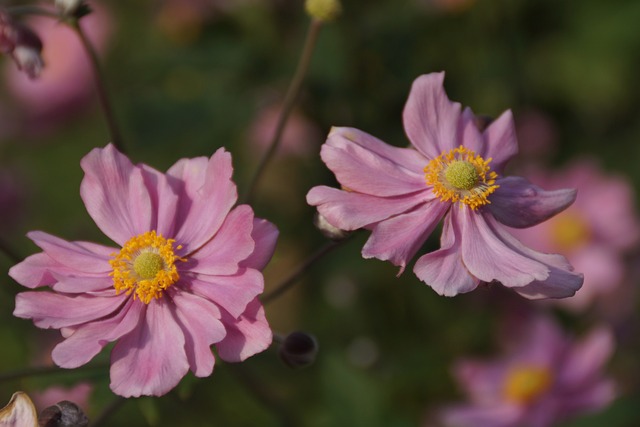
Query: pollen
(524, 384)
(145, 266)
(460, 175)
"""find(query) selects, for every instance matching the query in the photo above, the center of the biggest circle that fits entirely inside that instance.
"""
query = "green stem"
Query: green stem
(45, 370)
(287, 106)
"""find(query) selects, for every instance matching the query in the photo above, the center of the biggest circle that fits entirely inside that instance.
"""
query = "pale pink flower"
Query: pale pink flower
(452, 171)
(544, 378)
(594, 233)
(186, 275)
(78, 394)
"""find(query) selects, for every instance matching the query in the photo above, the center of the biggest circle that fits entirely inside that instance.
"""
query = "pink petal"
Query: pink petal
(231, 244)
(36, 270)
(81, 284)
(502, 143)
(481, 381)
(265, 236)
(520, 204)
(202, 328)
(350, 211)
(246, 336)
(397, 239)
(470, 135)
(363, 170)
(589, 399)
(163, 191)
(538, 341)
(151, 359)
(587, 358)
(443, 269)
(89, 339)
(480, 416)
(205, 200)
(430, 119)
(232, 293)
(74, 255)
(115, 195)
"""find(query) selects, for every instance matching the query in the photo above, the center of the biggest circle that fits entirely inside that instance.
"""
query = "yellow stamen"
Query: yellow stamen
(526, 383)
(460, 175)
(570, 231)
(145, 266)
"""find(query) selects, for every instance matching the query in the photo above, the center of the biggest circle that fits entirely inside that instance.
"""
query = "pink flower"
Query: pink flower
(186, 275)
(452, 171)
(594, 233)
(78, 394)
(545, 378)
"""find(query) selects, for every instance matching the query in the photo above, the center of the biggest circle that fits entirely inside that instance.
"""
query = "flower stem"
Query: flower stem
(44, 370)
(287, 106)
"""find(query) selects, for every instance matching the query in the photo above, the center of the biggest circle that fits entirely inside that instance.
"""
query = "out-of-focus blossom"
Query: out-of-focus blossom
(186, 276)
(594, 233)
(537, 134)
(78, 394)
(544, 378)
(66, 84)
(452, 171)
(323, 10)
(68, 7)
(22, 44)
(19, 412)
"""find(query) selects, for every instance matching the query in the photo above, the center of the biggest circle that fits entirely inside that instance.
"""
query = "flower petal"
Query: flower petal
(443, 269)
(36, 270)
(469, 133)
(398, 239)
(163, 191)
(518, 203)
(430, 118)
(247, 335)
(265, 236)
(502, 143)
(586, 359)
(81, 284)
(19, 412)
(151, 359)
(115, 195)
(483, 416)
(366, 171)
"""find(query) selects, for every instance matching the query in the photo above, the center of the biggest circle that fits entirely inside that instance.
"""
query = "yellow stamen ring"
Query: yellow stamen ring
(460, 175)
(524, 384)
(145, 266)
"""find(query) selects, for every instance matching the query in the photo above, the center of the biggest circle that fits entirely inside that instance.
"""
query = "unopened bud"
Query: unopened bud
(328, 230)
(323, 10)
(63, 414)
(298, 350)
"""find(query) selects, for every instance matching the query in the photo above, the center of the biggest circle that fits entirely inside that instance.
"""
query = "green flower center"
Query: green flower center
(148, 264)
(462, 175)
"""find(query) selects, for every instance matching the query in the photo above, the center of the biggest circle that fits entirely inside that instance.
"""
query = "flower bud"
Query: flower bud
(323, 10)
(329, 231)
(63, 414)
(22, 44)
(298, 350)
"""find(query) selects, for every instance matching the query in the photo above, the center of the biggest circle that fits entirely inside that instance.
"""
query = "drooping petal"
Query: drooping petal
(381, 172)
(397, 239)
(115, 194)
(247, 335)
(502, 144)
(230, 245)
(151, 359)
(350, 211)
(89, 339)
(202, 328)
(518, 203)
(265, 236)
(430, 118)
(443, 269)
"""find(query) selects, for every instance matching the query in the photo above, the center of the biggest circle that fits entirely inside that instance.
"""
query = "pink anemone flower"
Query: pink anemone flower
(185, 277)
(545, 378)
(453, 171)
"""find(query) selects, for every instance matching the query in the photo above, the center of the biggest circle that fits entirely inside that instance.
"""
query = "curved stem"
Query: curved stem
(45, 370)
(289, 102)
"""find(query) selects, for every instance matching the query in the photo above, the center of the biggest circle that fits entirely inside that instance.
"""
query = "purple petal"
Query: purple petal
(265, 236)
(74, 255)
(594, 397)
(202, 328)
(482, 381)
(350, 211)
(443, 269)
(151, 359)
(36, 270)
(501, 140)
(247, 335)
(470, 135)
(366, 171)
(398, 239)
(115, 195)
(89, 339)
(81, 284)
(430, 119)
(518, 203)
(504, 415)
(587, 358)
(164, 199)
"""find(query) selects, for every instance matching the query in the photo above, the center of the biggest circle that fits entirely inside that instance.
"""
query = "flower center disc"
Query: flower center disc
(570, 231)
(526, 383)
(460, 175)
(145, 266)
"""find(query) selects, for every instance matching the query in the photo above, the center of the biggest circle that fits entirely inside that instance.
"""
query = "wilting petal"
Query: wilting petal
(247, 335)
(398, 239)
(366, 171)
(443, 269)
(151, 359)
(265, 236)
(501, 140)
(73, 255)
(430, 118)
(518, 203)
(115, 195)
(19, 412)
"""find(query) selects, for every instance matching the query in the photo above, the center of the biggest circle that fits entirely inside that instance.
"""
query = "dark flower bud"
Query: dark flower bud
(63, 414)
(329, 231)
(298, 350)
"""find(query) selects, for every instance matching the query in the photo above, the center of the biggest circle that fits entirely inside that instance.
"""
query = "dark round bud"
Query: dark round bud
(329, 231)
(298, 350)
(63, 414)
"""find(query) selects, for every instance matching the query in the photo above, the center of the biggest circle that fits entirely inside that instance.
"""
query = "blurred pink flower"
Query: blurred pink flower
(78, 394)
(187, 275)
(537, 134)
(22, 44)
(594, 233)
(453, 171)
(544, 378)
(66, 83)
